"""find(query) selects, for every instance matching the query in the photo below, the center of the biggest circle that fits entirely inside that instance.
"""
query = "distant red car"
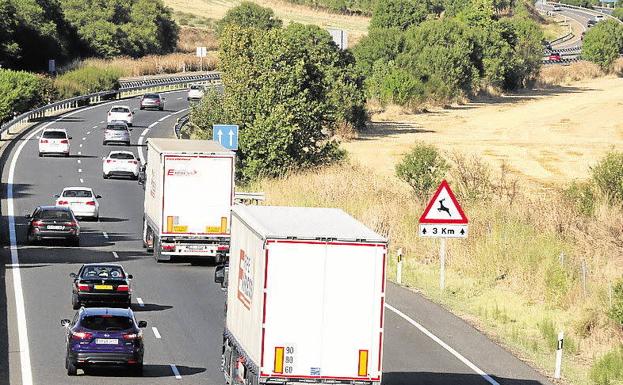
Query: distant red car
(554, 56)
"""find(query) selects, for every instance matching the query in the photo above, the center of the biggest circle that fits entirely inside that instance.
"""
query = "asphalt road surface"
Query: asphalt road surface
(424, 344)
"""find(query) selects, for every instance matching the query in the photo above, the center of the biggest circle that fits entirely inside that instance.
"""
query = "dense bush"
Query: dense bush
(382, 45)
(390, 84)
(249, 14)
(581, 196)
(608, 370)
(288, 89)
(21, 91)
(342, 6)
(603, 43)
(608, 176)
(422, 168)
(618, 13)
(87, 79)
(400, 14)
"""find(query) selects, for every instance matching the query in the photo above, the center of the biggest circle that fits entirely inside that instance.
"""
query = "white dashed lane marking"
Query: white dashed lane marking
(105, 234)
(79, 161)
(114, 253)
(81, 180)
(79, 170)
(156, 333)
(140, 302)
(175, 372)
(84, 138)
(88, 132)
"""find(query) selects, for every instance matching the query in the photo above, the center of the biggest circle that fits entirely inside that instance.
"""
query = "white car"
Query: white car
(195, 92)
(81, 200)
(557, 8)
(123, 113)
(54, 141)
(120, 163)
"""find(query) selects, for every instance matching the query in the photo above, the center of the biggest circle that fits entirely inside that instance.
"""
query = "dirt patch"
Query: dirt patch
(547, 137)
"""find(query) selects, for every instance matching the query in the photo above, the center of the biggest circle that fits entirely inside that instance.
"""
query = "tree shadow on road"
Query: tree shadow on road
(430, 378)
(149, 371)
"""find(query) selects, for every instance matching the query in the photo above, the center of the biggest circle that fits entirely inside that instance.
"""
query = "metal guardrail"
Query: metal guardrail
(249, 198)
(562, 61)
(576, 49)
(126, 91)
(210, 76)
(179, 124)
(562, 38)
(587, 10)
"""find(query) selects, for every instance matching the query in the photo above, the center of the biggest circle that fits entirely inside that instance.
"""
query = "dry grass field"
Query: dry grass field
(549, 136)
(357, 26)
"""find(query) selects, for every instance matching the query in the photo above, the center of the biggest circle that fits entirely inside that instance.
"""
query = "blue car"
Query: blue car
(104, 336)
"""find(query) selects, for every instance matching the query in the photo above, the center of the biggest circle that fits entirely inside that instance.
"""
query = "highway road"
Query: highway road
(424, 344)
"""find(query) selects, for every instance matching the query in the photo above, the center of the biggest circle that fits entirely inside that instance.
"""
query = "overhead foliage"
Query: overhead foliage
(603, 43)
(250, 15)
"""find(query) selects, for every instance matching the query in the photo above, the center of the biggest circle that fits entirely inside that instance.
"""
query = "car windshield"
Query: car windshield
(121, 155)
(54, 135)
(106, 322)
(152, 96)
(77, 194)
(102, 272)
(117, 127)
(119, 109)
(62, 215)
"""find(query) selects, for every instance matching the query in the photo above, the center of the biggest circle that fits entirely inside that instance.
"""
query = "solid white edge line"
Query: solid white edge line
(145, 131)
(175, 372)
(140, 302)
(114, 253)
(156, 332)
(20, 306)
(444, 345)
(153, 124)
(105, 234)
(164, 117)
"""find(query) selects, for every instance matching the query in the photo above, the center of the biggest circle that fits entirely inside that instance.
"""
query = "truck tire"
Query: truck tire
(147, 234)
(158, 252)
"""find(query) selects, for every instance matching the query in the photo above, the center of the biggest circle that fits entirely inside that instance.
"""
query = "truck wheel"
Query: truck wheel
(157, 251)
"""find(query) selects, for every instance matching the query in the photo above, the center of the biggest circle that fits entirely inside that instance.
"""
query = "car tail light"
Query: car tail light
(64, 141)
(62, 203)
(132, 336)
(43, 141)
(110, 161)
(133, 162)
(78, 336)
(71, 224)
(110, 113)
(222, 248)
(129, 115)
(83, 287)
(91, 203)
(169, 247)
(37, 223)
(157, 101)
(123, 288)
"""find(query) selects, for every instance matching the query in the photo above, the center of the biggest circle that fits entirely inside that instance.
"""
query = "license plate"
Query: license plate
(51, 227)
(106, 341)
(103, 287)
(196, 247)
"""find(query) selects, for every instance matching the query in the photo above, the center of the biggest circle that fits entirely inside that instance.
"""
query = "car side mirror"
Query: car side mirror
(98, 196)
(57, 195)
(221, 275)
(142, 324)
(130, 276)
(69, 137)
(133, 112)
(65, 323)
(72, 275)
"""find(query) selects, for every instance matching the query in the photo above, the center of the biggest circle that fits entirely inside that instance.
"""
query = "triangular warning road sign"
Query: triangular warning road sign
(444, 208)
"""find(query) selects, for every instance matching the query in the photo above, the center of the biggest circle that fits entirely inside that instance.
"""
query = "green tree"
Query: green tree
(422, 168)
(9, 49)
(382, 45)
(618, 13)
(21, 91)
(400, 14)
(603, 43)
(249, 14)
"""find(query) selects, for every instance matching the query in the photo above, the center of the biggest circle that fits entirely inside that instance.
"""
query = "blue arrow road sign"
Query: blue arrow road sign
(226, 134)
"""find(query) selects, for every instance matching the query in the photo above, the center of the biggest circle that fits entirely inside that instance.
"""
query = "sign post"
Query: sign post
(443, 218)
(201, 53)
(559, 355)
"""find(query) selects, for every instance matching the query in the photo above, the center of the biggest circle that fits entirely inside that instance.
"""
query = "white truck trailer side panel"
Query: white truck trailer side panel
(326, 313)
(197, 194)
(245, 291)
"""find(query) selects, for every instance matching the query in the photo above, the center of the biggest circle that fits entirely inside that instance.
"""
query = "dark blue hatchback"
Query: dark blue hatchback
(104, 336)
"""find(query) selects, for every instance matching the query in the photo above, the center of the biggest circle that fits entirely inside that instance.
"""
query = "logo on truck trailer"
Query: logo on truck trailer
(245, 279)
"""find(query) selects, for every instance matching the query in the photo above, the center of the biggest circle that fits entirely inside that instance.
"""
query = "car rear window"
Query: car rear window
(117, 127)
(119, 109)
(106, 322)
(121, 155)
(102, 272)
(77, 194)
(54, 135)
(195, 87)
(152, 96)
(62, 215)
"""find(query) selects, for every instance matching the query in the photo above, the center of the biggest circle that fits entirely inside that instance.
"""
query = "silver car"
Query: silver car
(152, 101)
(117, 132)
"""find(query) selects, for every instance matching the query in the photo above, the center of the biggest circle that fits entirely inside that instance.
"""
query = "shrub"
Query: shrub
(22, 91)
(400, 14)
(618, 13)
(88, 79)
(616, 310)
(379, 45)
(390, 84)
(603, 43)
(582, 197)
(422, 168)
(608, 176)
(471, 177)
(249, 14)
(609, 368)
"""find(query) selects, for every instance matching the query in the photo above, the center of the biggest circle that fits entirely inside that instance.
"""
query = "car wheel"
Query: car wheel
(161, 108)
(40, 155)
(137, 369)
(72, 370)
(75, 304)
(104, 143)
(66, 155)
(106, 176)
(127, 143)
(96, 218)
(31, 237)
(142, 108)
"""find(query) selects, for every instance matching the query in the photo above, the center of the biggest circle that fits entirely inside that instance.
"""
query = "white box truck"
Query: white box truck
(305, 298)
(189, 191)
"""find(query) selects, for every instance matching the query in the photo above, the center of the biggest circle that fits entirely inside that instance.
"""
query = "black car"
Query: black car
(104, 284)
(104, 336)
(53, 222)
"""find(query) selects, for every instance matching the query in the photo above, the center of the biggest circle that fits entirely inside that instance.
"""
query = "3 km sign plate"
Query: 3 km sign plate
(443, 217)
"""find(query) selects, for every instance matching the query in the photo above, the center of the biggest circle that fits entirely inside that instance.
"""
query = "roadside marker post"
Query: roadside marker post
(399, 267)
(443, 218)
(559, 355)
